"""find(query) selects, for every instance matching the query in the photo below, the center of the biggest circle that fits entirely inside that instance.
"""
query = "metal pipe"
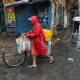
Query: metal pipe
(79, 7)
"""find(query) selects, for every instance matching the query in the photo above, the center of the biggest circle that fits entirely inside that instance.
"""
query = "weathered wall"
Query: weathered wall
(8, 1)
(62, 2)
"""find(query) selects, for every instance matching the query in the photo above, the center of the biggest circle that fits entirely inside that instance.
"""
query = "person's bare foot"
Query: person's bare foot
(32, 66)
(51, 60)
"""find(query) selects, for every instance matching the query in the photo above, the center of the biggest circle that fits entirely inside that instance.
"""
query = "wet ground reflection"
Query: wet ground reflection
(66, 66)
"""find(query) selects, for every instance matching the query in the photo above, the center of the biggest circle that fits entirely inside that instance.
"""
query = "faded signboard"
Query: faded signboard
(11, 17)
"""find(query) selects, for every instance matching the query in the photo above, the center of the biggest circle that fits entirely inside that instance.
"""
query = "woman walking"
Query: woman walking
(38, 40)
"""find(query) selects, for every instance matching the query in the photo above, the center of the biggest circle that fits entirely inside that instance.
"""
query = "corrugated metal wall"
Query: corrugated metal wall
(23, 12)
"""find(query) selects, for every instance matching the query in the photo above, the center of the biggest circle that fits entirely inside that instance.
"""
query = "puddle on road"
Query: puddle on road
(70, 59)
(58, 39)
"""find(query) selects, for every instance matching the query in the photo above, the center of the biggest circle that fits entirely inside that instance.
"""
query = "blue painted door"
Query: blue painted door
(23, 12)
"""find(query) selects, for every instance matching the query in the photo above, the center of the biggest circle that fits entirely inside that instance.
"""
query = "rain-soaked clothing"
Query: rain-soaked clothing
(38, 44)
(76, 27)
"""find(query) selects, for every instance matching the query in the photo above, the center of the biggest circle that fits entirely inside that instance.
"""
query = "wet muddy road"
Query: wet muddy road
(66, 66)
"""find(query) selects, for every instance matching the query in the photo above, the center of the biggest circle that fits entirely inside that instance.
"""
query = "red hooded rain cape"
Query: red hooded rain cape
(38, 45)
